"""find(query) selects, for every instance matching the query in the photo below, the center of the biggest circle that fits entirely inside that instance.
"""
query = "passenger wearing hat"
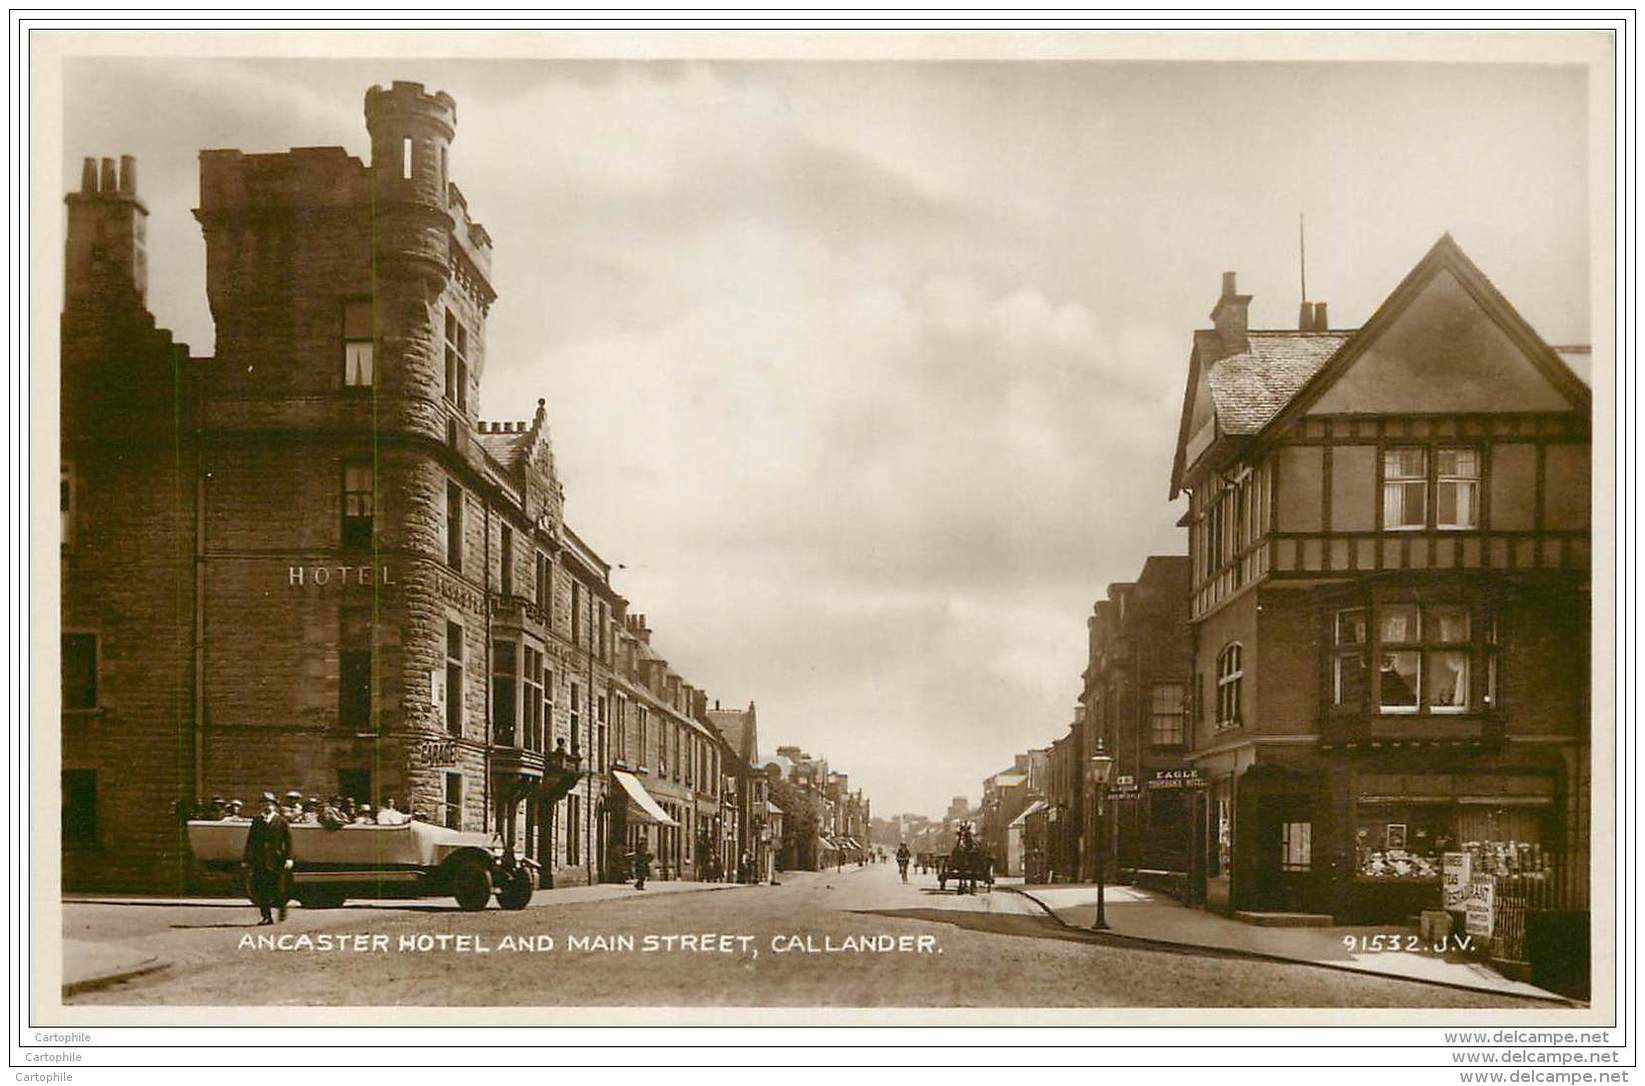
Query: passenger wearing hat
(390, 815)
(234, 806)
(292, 808)
(267, 859)
(362, 813)
(332, 816)
(216, 808)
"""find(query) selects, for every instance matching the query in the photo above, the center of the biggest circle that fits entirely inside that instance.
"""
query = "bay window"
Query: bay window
(1427, 655)
(1349, 678)
(531, 694)
(1400, 633)
(1448, 666)
(504, 674)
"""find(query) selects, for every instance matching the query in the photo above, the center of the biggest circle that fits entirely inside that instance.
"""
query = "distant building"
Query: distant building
(1135, 698)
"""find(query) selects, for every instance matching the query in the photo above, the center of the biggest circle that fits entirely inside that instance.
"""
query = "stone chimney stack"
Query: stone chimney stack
(1230, 316)
(1305, 317)
(1320, 324)
(105, 252)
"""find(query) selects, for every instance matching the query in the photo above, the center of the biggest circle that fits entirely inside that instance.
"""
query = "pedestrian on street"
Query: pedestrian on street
(902, 860)
(267, 859)
(642, 864)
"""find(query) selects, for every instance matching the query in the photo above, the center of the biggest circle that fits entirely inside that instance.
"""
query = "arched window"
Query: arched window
(1230, 677)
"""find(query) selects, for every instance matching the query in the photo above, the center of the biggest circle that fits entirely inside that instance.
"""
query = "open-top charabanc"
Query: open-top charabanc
(413, 859)
(968, 865)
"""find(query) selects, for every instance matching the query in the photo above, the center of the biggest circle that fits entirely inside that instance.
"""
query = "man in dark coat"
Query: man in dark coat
(642, 863)
(267, 858)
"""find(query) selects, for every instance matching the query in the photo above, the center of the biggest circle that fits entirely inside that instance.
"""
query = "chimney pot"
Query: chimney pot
(1320, 324)
(108, 182)
(1305, 317)
(128, 175)
(1228, 287)
(88, 176)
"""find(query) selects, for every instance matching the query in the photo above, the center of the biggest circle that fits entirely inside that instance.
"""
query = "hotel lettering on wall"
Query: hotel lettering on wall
(321, 576)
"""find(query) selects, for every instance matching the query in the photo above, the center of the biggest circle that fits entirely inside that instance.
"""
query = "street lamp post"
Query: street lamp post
(1096, 774)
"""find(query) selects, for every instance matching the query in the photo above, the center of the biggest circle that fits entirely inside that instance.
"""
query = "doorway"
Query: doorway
(1284, 854)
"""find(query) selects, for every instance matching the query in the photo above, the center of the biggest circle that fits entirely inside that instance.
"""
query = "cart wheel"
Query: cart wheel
(516, 890)
(471, 884)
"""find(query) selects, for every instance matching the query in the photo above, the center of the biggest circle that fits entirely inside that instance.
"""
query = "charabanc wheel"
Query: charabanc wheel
(471, 884)
(516, 890)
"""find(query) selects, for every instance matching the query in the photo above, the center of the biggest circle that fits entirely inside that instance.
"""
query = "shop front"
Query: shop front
(1404, 825)
(635, 822)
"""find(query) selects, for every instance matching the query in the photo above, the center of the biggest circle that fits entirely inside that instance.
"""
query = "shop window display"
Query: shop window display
(1407, 841)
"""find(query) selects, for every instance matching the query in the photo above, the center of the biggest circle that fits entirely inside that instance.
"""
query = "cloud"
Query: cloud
(869, 373)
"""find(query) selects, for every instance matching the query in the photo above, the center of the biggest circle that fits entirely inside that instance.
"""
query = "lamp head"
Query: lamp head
(1101, 765)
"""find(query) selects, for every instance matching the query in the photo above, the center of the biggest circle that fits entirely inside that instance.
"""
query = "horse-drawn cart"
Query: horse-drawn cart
(968, 866)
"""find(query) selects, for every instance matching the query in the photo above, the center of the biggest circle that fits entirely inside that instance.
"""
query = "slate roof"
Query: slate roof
(505, 448)
(1250, 388)
(737, 727)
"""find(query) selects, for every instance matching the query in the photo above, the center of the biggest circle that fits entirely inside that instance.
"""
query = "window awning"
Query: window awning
(1033, 809)
(641, 806)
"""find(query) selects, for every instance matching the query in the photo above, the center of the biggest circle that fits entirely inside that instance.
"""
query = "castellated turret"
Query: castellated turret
(365, 285)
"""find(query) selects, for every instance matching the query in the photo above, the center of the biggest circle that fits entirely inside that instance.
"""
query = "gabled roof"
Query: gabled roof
(1283, 372)
(1445, 255)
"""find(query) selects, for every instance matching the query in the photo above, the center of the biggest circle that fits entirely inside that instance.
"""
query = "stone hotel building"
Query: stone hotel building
(307, 562)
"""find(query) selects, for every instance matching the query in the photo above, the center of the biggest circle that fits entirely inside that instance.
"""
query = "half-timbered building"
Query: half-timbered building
(1390, 544)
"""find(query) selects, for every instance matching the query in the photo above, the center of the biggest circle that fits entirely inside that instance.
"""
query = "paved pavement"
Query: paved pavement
(852, 938)
(1143, 914)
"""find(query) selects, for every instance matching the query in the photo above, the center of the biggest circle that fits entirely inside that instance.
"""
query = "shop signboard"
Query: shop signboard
(1176, 778)
(439, 752)
(1457, 871)
(1480, 908)
(1124, 787)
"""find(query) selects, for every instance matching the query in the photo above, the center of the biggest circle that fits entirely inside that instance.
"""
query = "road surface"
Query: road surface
(856, 938)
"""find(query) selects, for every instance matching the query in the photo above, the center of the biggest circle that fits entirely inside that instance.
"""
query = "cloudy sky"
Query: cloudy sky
(868, 373)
